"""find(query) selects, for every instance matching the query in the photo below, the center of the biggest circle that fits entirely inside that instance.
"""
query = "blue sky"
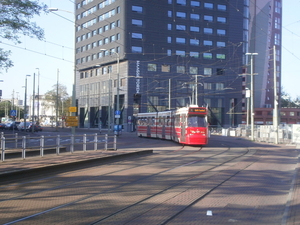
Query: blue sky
(56, 52)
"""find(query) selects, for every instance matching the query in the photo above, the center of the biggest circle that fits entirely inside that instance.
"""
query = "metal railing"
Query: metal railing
(285, 134)
(23, 145)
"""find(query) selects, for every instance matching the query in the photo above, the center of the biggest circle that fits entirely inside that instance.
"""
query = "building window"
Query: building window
(105, 28)
(137, 9)
(180, 27)
(193, 70)
(181, 2)
(277, 39)
(221, 44)
(219, 86)
(181, 14)
(194, 29)
(180, 40)
(137, 22)
(152, 67)
(207, 71)
(136, 49)
(195, 16)
(112, 25)
(169, 40)
(180, 53)
(208, 18)
(137, 35)
(220, 71)
(169, 26)
(220, 56)
(207, 86)
(194, 42)
(222, 7)
(165, 68)
(194, 54)
(170, 13)
(207, 43)
(208, 30)
(169, 52)
(195, 3)
(180, 69)
(221, 19)
(208, 5)
(112, 38)
(221, 32)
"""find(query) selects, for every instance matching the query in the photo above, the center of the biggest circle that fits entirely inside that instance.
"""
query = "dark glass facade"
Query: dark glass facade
(159, 55)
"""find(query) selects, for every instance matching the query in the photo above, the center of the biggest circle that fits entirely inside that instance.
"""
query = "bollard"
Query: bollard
(106, 141)
(57, 144)
(2, 135)
(24, 147)
(95, 142)
(115, 142)
(72, 144)
(16, 140)
(84, 142)
(3, 149)
(42, 143)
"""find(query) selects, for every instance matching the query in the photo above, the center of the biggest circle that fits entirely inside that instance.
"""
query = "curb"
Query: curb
(24, 173)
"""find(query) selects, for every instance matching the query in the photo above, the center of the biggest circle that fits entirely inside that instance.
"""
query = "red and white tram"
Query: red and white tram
(188, 125)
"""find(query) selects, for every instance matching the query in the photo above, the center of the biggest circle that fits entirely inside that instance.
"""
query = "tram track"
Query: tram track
(181, 160)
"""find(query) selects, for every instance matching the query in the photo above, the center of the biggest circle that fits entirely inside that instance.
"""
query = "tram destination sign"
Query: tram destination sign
(197, 110)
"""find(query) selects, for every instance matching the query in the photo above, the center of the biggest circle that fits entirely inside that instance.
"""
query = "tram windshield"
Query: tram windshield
(197, 121)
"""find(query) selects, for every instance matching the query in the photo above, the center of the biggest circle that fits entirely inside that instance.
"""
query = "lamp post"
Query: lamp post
(38, 94)
(33, 97)
(251, 94)
(74, 82)
(25, 102)
(117, 113)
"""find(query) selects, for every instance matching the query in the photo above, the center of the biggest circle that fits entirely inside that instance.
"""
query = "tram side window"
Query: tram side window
(168, 121)
(177, 120)
(139, 122)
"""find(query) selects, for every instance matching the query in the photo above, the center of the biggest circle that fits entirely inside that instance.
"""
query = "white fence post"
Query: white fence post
(115, 142)
(24, 147)
(57, 144)
(106, 141)
(84, 142)
(2, 148)
(72, 144)
(42, 143)
(95, 142)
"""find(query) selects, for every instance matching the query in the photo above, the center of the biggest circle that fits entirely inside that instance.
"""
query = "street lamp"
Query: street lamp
(117, 113)
(33, 97)
(25, 102)
(251, 94)
(38, 94)
(74, 82)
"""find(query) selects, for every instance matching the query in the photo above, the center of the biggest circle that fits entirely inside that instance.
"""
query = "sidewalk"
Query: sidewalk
(126, 144)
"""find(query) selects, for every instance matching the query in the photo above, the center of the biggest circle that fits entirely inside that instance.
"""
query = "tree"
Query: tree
(59, 96)
(15, 21)
(287, 102)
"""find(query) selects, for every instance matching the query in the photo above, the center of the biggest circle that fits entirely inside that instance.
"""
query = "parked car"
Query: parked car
(12, 126)
(2, 126)
(23, 127)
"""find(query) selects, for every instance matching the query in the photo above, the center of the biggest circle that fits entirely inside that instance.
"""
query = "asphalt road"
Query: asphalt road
(231, 180)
